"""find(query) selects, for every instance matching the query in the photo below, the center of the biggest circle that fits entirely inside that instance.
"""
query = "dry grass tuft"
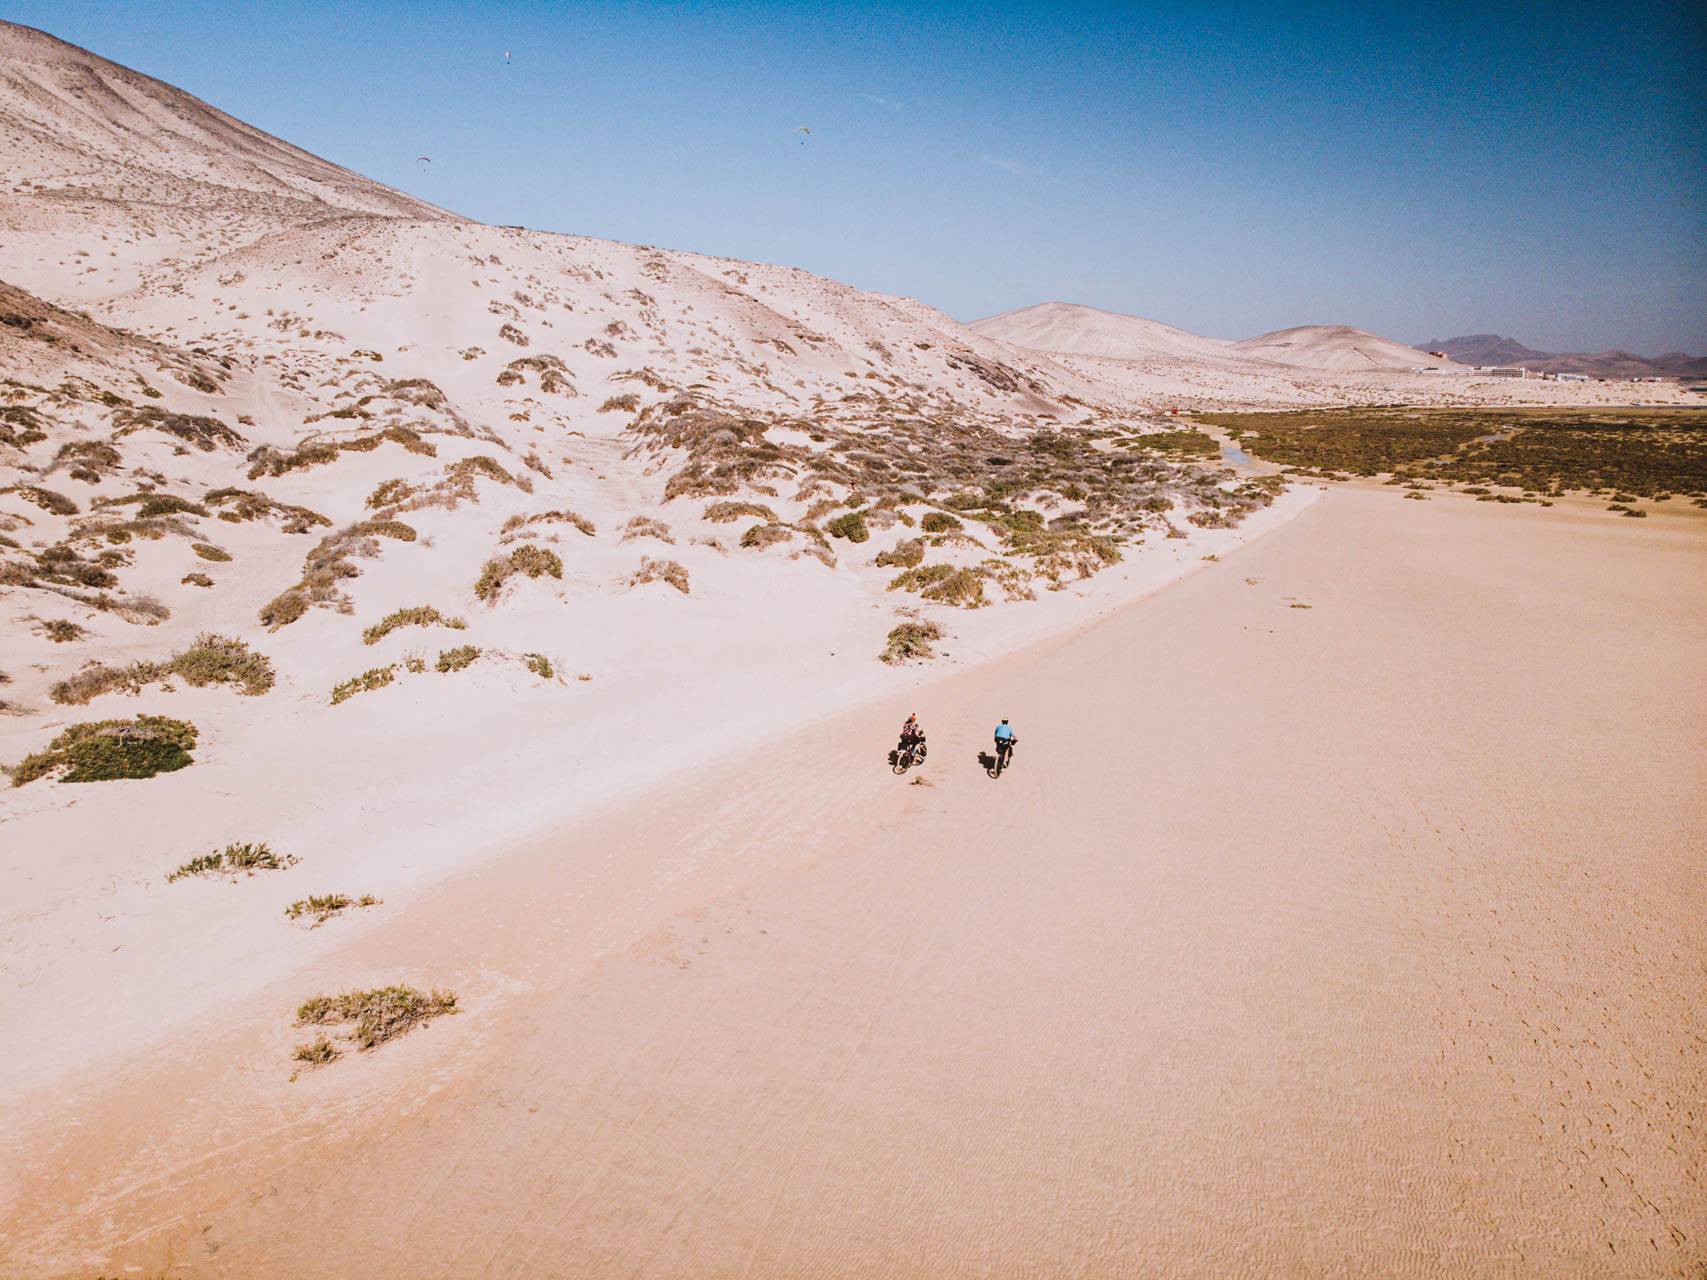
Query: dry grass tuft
(246, 857)
(376, 1016)
(729, 512)
(321, 907)
(546, 517)
(660, 571)
(317, 1052)
(646, 527)
(61, 630)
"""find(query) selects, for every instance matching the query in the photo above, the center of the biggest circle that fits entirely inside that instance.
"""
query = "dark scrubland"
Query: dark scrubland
(1627, 454)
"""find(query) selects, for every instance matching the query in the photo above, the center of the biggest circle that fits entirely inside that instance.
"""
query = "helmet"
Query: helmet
(1004, 719)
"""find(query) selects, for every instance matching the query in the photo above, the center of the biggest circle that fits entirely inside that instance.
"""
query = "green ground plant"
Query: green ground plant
(911, 642)
(369, 680)
(421, 615)
(457, 659)
(105, 750)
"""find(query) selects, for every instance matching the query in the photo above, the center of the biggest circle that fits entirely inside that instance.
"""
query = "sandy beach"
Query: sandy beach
(1355, 939)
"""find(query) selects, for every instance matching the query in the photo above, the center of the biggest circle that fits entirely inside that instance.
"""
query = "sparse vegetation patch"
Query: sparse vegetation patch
(320, 907)
(377, 1016)
(366, 682)
(911, 641)
(247, 857)
(210, 660)
(423, 615)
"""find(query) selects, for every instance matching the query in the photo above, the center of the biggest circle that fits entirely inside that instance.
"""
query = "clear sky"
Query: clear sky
(1424, 171)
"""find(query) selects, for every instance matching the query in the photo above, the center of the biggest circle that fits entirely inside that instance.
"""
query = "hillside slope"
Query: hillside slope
(1077, 330)
(1333, 347)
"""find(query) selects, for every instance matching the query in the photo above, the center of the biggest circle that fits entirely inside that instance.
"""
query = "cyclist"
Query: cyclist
(1005, 741)
(912, 732)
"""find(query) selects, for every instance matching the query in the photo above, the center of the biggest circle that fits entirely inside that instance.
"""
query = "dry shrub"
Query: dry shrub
(646, 527)
(728, 512)
(765, 535)
(530, 560)
(660, 571)
(908, 554)
(210, 660)
(548, 517)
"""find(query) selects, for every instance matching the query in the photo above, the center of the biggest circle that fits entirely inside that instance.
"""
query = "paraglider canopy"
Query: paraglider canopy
(804, 133)
(423, 159)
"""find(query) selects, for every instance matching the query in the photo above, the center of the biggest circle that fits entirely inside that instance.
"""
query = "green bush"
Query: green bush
(108, 749)
(208, 552)
(940, 522)
(539, 664)
(851, 526)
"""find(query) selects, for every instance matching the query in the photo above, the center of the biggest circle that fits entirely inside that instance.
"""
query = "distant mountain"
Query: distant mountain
(1491, 349)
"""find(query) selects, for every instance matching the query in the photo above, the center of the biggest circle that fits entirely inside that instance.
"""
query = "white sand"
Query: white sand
(1268, 955)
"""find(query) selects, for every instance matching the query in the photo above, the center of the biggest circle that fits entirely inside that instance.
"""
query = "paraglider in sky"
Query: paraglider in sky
(804, 133)
(506, 57)
(423, 159)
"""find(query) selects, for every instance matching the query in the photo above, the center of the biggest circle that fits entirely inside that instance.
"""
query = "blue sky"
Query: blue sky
(1535, 170)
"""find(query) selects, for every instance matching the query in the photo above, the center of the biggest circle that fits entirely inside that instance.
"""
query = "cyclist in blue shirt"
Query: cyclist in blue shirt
(1005, 738)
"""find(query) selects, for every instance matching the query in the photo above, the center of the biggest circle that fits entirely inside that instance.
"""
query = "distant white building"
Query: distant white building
(1502, 371)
